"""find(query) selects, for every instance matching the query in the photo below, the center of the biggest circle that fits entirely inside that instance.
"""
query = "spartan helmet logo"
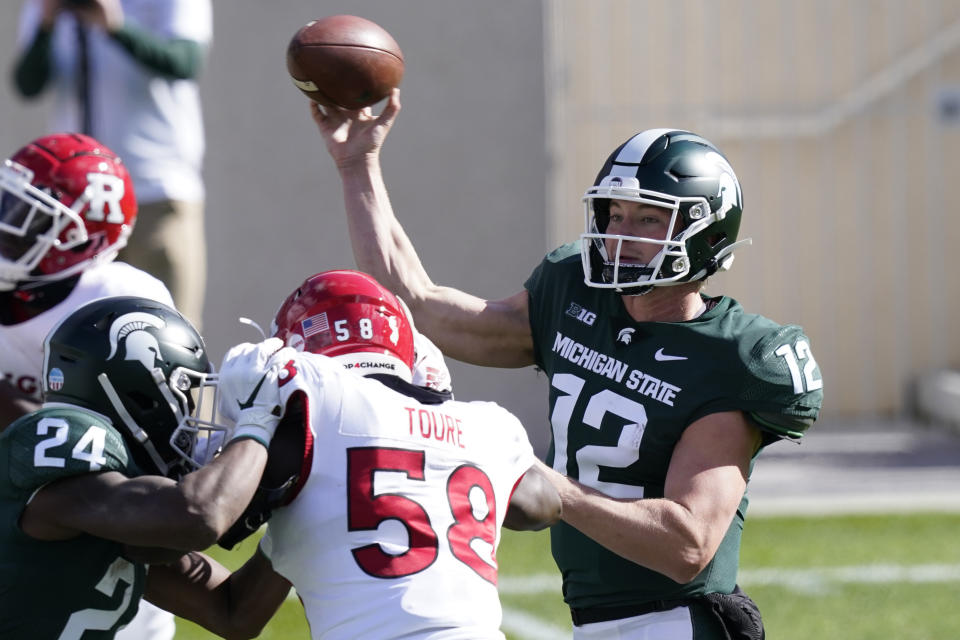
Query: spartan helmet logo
(729, 185)
(141, 345)
(626, 335)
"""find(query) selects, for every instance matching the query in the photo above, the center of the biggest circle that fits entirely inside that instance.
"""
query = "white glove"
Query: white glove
(249, 393)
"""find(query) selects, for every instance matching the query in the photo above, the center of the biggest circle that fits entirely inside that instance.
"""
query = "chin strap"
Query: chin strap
(138, 434)
(720, 262)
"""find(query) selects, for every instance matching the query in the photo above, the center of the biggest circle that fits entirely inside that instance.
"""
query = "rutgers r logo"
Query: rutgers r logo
(583, 315)
(104, 193)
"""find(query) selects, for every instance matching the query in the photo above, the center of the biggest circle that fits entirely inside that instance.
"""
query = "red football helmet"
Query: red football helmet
(349, 316)
(66, 201)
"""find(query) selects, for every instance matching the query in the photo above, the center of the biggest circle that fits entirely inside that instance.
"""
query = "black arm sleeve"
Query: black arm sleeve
(32, 70)
(179, 59)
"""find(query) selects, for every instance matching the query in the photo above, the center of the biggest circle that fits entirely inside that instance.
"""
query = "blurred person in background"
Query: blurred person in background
(124, 72)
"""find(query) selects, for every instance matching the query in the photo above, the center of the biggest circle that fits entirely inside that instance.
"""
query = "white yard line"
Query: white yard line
(522, 625)
(811, 581)
(822, 579)
(777, 576)
(530, 584)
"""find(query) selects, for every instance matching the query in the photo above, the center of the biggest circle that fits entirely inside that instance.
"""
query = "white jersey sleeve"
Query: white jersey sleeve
(398, 523)
(22, 344)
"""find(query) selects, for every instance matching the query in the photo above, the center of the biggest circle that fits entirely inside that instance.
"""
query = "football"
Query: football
(344, 61)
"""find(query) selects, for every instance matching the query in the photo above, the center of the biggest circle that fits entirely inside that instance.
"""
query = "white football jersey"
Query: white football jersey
(395, 530)
(21, 345)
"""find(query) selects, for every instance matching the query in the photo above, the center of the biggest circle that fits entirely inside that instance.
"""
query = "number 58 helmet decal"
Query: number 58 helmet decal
(349, 316)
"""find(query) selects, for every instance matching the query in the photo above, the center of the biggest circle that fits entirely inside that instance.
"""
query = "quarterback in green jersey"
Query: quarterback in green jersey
(660, 397)
(105, 477)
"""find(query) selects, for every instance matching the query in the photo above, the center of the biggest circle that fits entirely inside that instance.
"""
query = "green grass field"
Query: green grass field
(849, 577)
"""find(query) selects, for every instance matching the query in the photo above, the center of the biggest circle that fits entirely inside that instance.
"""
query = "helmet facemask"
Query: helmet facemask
(670, 266)
(201, 431)
(190, 403)
(32, 222)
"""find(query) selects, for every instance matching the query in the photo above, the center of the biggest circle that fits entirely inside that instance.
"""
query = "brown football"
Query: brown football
(344, 61)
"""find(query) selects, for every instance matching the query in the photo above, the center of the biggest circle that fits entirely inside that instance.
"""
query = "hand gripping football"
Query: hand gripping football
(344, 61)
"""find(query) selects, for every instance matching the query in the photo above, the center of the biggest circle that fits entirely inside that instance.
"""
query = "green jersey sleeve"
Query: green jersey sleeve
(786, 389)
(544, 288)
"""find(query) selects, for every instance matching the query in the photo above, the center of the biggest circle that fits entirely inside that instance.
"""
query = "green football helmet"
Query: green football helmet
(144, 366)
(678, 171)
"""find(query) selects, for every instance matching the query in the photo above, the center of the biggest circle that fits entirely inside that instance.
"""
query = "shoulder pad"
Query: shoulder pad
(786, 389)
(564, 252)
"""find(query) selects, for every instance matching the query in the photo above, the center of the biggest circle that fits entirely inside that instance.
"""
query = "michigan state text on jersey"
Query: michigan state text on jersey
(622, 393)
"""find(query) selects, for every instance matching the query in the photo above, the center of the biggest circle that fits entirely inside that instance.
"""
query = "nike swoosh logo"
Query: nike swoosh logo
(253, 395)
(660, 356)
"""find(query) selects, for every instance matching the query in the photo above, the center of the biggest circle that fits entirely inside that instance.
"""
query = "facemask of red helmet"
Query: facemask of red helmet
(66, 202)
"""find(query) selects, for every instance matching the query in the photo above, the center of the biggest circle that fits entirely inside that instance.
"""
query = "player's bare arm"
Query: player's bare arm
(535, 503)
(465, 327)
(676, 535)
(233, 606)
(150, 510)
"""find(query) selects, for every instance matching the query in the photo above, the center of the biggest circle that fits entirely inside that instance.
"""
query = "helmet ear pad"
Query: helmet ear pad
(703, 246)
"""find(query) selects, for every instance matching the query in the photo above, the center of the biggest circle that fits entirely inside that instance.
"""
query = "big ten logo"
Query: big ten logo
(583, 315)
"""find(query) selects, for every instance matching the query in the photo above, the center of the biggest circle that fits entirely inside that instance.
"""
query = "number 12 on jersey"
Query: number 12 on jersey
(805, 381)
